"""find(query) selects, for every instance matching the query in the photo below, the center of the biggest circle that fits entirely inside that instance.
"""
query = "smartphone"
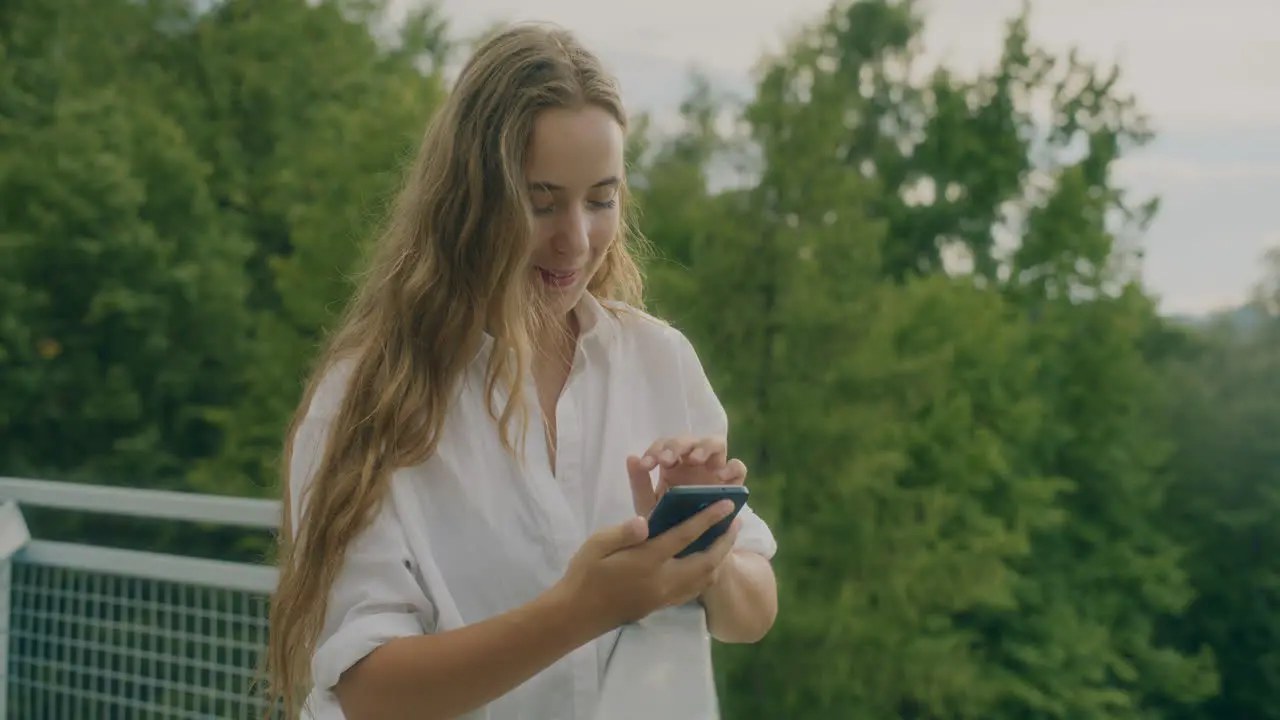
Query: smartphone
(684, 501)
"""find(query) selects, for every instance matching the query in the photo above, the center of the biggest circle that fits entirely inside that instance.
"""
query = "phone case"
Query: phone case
(683, 502)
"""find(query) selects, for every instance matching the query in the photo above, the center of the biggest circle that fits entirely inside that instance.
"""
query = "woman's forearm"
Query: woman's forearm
(743, 601)
(449, 674)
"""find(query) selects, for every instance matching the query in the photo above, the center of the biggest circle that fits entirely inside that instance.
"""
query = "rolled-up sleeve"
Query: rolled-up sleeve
(707, 416)
(376, 596)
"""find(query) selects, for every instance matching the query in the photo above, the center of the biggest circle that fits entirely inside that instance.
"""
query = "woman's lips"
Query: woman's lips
(558, 278)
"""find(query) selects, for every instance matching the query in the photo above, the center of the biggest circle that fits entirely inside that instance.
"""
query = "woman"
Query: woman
(469, 469)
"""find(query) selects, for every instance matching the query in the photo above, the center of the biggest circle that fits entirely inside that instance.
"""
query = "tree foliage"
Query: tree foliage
(1004, 486)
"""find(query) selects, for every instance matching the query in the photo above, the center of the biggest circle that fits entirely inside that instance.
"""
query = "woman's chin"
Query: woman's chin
(563, 303)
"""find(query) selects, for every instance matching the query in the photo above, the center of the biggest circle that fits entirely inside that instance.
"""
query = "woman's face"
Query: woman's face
(574, 171)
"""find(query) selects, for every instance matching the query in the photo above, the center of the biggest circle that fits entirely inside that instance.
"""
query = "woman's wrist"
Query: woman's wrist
(581, 616)
(720, 576)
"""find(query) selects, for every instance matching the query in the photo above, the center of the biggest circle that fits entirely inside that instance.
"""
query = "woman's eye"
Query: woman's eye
(602, 199)
(543, 201)
(605, 198)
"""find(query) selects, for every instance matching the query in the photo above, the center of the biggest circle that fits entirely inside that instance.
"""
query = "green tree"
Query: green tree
(1223, 413)
(186, 190)
(189, 190)
(123, 311)
(313, 137)
(881, 423)
(879, 181)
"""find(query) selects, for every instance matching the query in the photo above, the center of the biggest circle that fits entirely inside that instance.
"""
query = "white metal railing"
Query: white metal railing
(99, 632)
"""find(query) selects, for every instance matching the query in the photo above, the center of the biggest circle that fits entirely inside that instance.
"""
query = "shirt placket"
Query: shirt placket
(569, 450)
(569, 478)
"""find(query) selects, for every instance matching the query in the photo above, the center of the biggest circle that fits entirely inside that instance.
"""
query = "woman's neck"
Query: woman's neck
(557, 344)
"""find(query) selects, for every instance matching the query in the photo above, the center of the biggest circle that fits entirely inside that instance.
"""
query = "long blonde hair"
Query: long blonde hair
(451, 264)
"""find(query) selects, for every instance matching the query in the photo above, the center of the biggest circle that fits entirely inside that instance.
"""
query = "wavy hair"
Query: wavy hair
(452, 263)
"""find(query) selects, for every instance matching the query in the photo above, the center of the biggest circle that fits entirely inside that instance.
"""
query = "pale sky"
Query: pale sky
(1207, 73)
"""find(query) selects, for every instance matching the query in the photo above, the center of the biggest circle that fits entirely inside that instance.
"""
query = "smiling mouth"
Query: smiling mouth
(557, 279)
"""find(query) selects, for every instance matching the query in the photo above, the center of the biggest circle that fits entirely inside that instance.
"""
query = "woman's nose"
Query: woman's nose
(575, 233)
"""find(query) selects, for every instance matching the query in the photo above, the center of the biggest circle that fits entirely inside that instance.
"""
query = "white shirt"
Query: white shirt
(470, 534)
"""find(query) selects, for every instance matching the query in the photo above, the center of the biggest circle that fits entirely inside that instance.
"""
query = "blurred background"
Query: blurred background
(990, 290)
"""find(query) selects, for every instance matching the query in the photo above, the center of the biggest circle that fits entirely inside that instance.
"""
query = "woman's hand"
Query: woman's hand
(740, 592)
(681, 461)
(620, 576)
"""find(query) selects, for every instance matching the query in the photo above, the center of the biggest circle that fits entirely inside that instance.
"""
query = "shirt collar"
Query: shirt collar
(596, 323)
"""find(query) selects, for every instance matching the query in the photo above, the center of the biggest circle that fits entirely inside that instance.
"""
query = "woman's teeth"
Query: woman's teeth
(557, 279)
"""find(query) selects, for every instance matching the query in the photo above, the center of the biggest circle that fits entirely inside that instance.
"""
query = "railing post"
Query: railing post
(6, 585)
(13, 537)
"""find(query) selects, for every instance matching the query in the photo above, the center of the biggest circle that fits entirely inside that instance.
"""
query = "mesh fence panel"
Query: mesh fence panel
(99, 646)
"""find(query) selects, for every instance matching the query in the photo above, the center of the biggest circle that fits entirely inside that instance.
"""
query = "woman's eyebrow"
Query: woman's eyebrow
(552, 187)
